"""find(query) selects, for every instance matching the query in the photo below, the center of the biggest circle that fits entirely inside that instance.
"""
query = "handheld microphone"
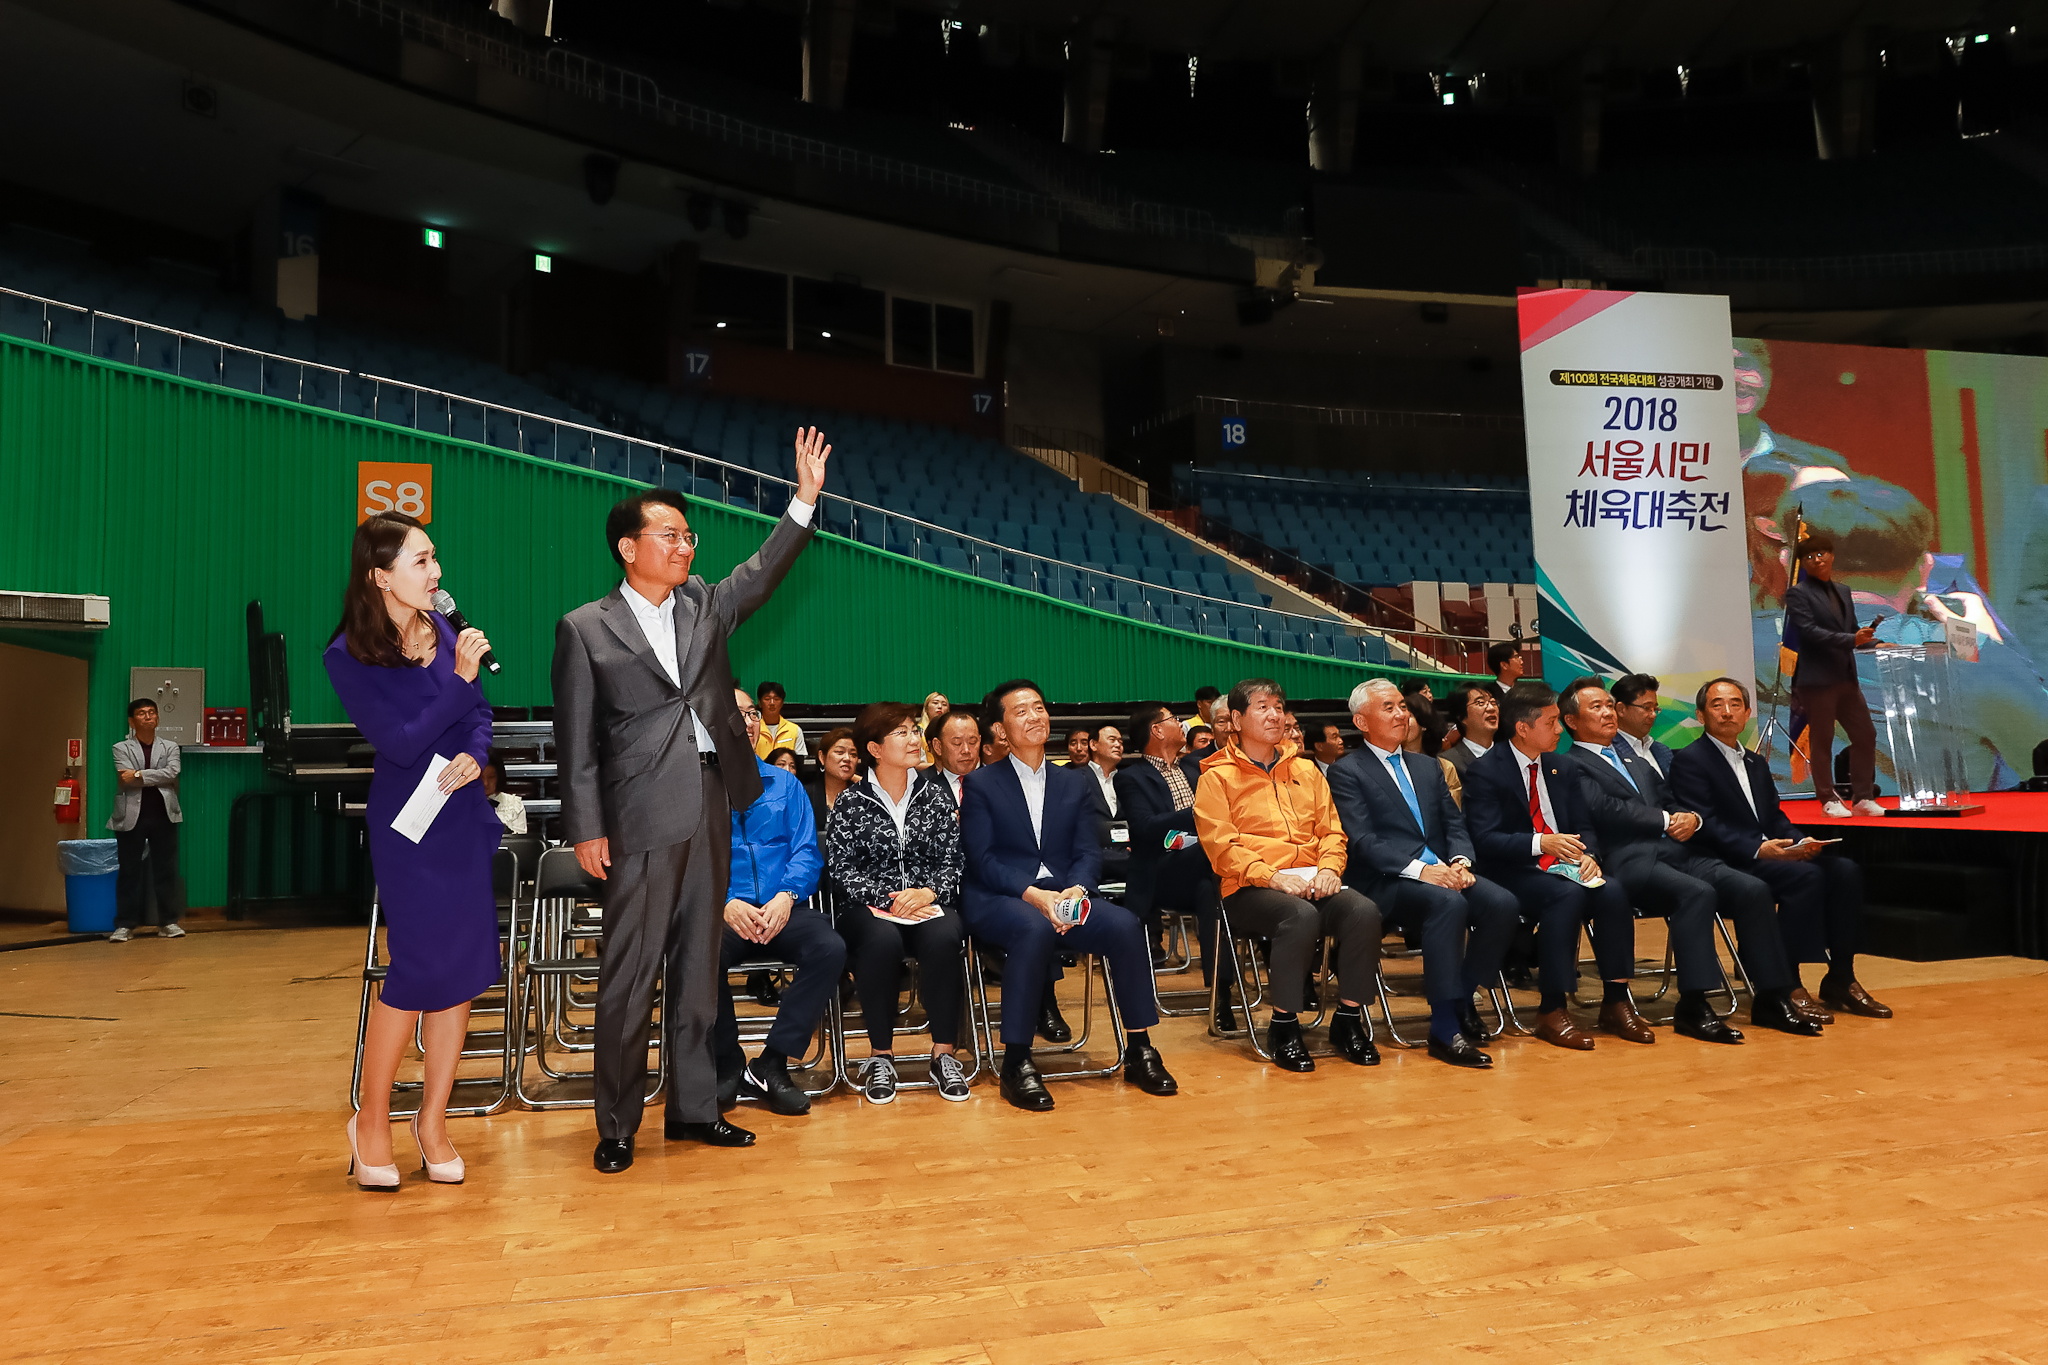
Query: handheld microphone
(445, 604)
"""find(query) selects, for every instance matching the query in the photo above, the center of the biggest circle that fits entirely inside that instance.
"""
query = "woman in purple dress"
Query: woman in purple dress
(408, 681)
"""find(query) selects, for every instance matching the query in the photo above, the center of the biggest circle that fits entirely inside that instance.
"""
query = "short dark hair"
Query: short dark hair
(776, 753)
(1194, 730)
(1630, 686)
(1497, 656)
(141, 702)
(992, 701)
(497, 765)
(832, 737)
(936, 726)
(770, 689)
(628, 516)
(1144, 716)
(1206, 694)
(875, 723)
(1814, 540)
(1568, 700)
(1699, 700)
(1458, 703)
(1242, 694)
(1526, 701)
(1086, 732)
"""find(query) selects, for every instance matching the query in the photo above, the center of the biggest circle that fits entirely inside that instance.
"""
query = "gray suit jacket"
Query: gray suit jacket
(163, 775)
(1460, 757)
(624, 747)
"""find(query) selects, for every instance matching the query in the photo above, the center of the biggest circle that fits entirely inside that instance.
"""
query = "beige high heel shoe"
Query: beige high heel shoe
(379, 1179)
(440, 1172)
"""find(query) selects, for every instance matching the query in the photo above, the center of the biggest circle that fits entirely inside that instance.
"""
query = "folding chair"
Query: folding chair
(988, 1019)
(1244, 951)
(754, 1028)
(1667, 974)
(842, 1020)
(1183, 935)
(564, 917)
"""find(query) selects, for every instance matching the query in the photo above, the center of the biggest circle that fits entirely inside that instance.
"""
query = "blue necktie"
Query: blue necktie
(1622, 768)
(1414, 806)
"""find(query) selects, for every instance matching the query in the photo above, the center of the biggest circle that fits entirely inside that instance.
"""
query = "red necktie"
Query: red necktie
(1536, 820)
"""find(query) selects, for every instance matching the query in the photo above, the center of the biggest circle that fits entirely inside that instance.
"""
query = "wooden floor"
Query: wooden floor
(170, 1130)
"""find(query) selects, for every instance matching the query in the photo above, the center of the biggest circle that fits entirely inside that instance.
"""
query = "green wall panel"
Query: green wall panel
(181, 502)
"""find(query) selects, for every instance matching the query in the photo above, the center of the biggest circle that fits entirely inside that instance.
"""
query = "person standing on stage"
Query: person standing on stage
(653, 755)
(145, 820)
(408, 682)
(1824, 682)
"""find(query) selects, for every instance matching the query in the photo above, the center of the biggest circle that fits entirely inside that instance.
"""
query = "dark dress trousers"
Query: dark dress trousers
(1680, 881)
(1825, 687)
(1156, 880)
(1003, 859)
(630, 773)
(1464, 934)
(1820, 901)
(1497, 815)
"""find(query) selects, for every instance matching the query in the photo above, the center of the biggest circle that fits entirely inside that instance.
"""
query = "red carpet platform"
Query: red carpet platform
(2011, 812)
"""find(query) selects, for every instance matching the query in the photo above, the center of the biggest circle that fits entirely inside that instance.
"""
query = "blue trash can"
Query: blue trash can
(90, 866)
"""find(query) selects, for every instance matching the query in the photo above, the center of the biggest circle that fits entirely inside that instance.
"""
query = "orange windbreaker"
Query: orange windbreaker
(1253, 823)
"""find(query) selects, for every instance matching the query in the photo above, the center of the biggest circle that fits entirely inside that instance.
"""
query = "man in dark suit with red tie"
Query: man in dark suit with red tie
(1820, 894)
(1526, 817)
(1028, 829)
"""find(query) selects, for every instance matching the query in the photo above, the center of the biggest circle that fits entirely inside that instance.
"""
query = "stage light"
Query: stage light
(1450, 97)
(721, 326)
(432, 237)
(826, 335)
(1981, 38)
(544, 264)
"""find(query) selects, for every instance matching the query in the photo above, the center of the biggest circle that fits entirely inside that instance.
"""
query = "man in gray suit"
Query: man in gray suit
(145, 820)
(653, 755)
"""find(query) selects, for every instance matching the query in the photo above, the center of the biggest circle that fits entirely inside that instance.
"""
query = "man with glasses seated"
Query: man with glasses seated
(1650, 849)
(1635, 712)
(1027, 827)
(775, 866)
(1409, 851)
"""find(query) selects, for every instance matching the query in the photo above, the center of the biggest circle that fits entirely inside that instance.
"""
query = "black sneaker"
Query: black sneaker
(952, 1078)
(772, 1086)
(878, 1080)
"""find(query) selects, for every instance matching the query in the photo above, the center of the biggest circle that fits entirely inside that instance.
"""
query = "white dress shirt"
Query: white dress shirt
(1386, 757)
(1532, 771)
(658, 625)
(1103, 781)
(899, 811)
(1734, 757)
(1033, 781)
(956, 784)
(1641, 746)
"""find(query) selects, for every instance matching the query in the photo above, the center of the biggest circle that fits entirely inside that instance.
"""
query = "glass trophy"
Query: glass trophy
(1918, 687)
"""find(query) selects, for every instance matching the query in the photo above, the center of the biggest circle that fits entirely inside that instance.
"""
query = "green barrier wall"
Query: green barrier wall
(181, 502)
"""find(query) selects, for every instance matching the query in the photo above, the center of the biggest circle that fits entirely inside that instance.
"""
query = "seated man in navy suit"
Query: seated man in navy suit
(1410, 853)
(1526, 817)
(1028, 829)
(1156, 794)
(1820, 895)
(1635, 714)
(1651, 850)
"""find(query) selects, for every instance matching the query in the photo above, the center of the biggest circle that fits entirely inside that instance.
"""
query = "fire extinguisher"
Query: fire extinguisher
(69, 800)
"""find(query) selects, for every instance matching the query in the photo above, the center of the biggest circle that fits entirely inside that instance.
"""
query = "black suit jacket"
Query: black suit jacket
(1497, 810)
(1703, 782)
(1380, 828)
(1826, 617)
(624, 748)
(1630, 819)
(1148, 809)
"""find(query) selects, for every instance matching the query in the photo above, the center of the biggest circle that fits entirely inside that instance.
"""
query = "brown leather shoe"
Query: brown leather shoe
(1619, 1018)
(1557, 1029)
(1808, 1006)
(1853, 999)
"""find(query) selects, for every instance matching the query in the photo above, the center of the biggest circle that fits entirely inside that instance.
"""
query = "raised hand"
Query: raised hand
(811, 454)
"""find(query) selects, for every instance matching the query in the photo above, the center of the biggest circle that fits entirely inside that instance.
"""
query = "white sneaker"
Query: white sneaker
(1835, 810)
(121, 935)
(1870, 808)
(171, 931)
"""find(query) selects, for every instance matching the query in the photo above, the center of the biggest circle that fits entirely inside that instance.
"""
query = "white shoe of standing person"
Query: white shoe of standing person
(171, 930)
(1835, 810)
(121, 935)
(1868, 807)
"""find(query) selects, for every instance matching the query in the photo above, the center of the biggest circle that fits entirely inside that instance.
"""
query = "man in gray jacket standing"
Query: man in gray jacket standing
(145, 821)
(653, 756)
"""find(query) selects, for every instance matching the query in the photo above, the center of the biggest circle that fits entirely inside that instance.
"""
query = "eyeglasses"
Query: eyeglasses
(671, 539)
(749, 713)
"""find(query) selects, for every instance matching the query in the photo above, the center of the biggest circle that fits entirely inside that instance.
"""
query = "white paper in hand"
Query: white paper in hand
(424, 804)
(881, 912)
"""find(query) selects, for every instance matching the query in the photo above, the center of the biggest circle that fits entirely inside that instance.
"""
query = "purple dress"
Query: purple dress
(436, 894)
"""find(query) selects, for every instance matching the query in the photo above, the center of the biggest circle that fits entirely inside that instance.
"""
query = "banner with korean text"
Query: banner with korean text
(1635, 491)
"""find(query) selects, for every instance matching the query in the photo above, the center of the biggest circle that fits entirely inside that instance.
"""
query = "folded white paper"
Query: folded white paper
(905, 920)
(424, 804)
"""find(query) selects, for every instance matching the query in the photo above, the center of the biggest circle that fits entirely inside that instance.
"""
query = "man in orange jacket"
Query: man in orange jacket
(1265, 818)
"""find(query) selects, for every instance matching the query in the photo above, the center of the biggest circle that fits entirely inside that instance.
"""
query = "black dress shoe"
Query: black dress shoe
(1024, 1088)
(772, 1086)
(728, 1090)
(1469, 1025)
(1226, 1017)
(1777, 1012)
(1052, 1025)
(717, 1133)
(1143, 1069)
(1705, 1026)
(761, 985)
(1283, 1040)
(1348, 1036)
(613, 1155)
(1458, 1052)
